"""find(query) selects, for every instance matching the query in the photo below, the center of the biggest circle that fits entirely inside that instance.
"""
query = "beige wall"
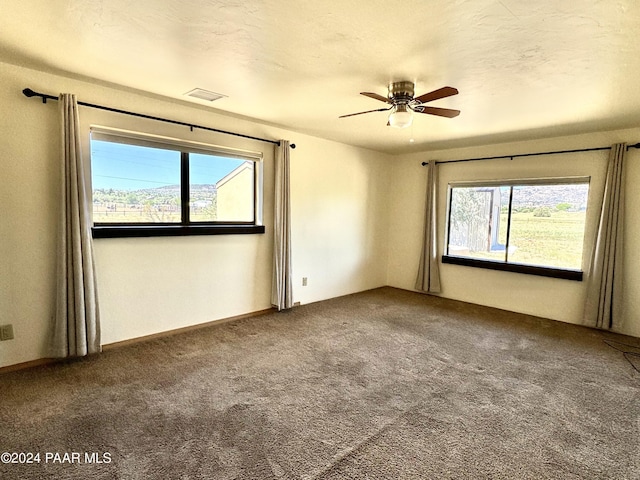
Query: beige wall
(356, 216)
(150, 285)
(339, 217)
(545, 297)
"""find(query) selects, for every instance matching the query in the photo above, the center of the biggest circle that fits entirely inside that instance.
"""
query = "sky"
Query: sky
(130, 167)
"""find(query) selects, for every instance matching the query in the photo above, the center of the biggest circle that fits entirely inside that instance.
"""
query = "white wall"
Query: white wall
(546, 297)
(150, 285)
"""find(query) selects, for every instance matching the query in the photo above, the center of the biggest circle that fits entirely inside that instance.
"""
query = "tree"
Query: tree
(542, 212)
(470, 218)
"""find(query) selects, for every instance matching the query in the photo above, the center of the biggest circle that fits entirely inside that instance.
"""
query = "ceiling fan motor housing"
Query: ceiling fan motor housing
(401, 92)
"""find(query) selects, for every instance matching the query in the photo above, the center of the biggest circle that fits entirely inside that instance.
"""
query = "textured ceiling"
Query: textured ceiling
(523, 69)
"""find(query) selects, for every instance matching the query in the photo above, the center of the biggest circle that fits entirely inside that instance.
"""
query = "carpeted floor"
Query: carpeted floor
(385, 384)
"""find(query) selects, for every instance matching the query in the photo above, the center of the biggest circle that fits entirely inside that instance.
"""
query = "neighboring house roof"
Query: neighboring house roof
(234, 173)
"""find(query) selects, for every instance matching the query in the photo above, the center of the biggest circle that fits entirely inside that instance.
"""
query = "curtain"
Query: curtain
(281, 289)
(428, 280)
(76, 328)
(604, 285)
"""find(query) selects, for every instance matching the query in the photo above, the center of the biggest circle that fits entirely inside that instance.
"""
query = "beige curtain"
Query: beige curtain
(428, 280)
(76, 323)
(281, 289)
(604, 284)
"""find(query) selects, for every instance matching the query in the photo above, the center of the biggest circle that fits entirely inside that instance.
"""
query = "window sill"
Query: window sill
(515, 267)
(128, 231)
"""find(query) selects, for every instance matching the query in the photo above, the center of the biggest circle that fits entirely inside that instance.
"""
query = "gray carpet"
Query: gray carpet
(385, 384)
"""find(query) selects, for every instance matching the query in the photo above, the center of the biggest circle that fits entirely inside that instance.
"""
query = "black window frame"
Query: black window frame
(186, 227)
(545, 271)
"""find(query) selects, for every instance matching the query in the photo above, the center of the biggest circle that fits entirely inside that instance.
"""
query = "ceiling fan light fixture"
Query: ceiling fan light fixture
(401, 117)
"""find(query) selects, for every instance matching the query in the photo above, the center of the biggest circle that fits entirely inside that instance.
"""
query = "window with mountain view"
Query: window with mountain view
(144, 183)
(537, 223)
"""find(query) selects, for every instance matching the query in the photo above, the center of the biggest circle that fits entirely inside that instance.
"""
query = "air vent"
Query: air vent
(203, 94)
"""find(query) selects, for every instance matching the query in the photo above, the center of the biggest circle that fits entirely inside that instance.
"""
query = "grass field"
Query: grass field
(554, 241)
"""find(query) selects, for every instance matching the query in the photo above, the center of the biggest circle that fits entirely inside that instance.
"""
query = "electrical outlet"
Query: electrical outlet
(304, 281)
(6, 332)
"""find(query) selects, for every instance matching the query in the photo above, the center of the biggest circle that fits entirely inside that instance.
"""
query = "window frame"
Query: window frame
(186, 226)
(545, 271)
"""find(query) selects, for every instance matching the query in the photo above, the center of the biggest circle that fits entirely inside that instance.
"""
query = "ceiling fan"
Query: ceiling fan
(403, 103)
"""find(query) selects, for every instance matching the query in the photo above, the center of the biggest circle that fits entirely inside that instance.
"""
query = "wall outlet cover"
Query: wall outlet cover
(6, 332)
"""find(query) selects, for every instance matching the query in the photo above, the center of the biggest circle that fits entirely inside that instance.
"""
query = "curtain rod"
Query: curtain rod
(30, 93)
(637, 145)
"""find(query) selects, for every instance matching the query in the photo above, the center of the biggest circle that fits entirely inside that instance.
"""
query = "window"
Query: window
(146, 186)
(528, 226)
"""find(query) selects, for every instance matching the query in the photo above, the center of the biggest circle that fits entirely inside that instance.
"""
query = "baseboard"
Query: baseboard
(30, 364)
(111, 346)
(177, 331)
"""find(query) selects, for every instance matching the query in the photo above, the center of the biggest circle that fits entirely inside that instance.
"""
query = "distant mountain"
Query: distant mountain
(167, 194)
(551, 195)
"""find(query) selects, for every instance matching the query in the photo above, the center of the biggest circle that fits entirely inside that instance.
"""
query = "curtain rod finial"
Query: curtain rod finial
(293, 145)
(27, 92)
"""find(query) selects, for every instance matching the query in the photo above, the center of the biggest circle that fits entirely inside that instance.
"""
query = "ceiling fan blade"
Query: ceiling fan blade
(368, 111)
(441, 112)
(437, 94)
(375, 96)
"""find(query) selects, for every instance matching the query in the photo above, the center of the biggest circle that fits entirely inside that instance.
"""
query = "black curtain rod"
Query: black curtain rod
(30, 93)
(637, 145)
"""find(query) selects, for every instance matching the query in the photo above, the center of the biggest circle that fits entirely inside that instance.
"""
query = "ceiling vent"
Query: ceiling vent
(203, 94)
